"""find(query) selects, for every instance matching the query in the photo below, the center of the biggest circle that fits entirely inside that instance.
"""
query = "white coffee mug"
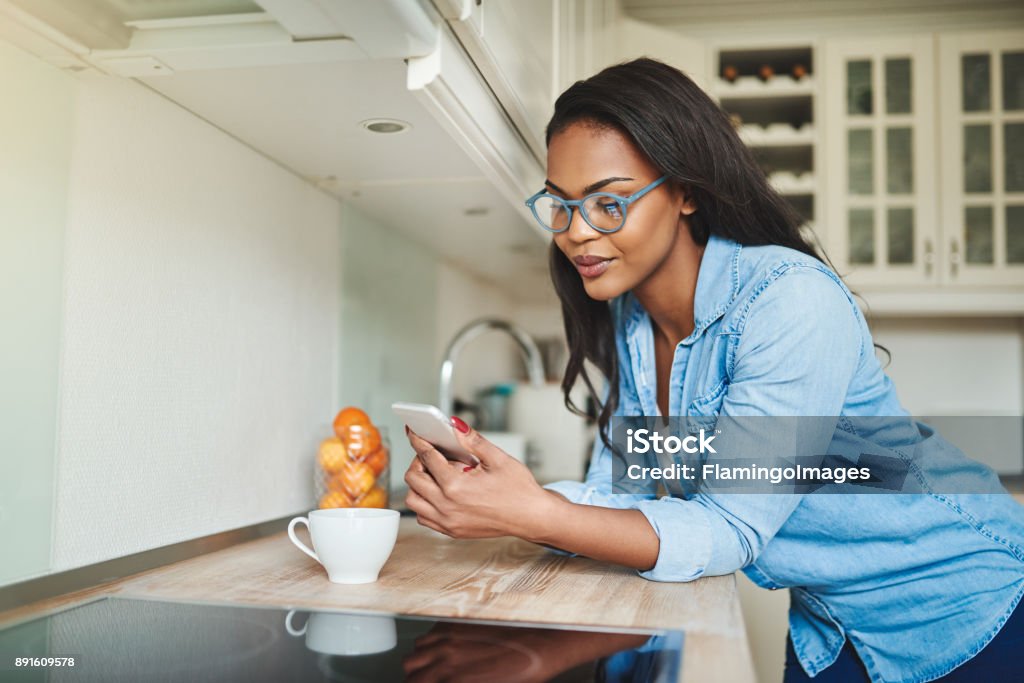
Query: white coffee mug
(334, 633)
(352, 544)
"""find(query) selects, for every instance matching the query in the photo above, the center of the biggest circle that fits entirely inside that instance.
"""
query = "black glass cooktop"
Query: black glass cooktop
(116, 639)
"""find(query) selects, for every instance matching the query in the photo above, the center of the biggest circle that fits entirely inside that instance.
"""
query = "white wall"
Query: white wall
(542, 320)
(401, 306)
(636, 39)
(491, 358)
(390, 293)
(947, 366)
(171, 325)
(35, 156)
(200, 330)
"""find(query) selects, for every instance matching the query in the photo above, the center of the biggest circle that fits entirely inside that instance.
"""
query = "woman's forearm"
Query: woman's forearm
(611, 535)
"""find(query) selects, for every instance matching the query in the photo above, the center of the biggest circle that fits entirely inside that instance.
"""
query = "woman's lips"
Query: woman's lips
(591, 266)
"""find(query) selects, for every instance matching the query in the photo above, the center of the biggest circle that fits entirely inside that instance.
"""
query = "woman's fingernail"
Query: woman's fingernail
(460, 425)
(407, 430)
(467, 468)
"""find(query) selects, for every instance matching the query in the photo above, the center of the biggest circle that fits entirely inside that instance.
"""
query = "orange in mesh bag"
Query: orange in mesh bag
(353, 465)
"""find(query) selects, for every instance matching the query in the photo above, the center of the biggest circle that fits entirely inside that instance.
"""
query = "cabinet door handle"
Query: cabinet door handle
(954, 257)
(929, 257)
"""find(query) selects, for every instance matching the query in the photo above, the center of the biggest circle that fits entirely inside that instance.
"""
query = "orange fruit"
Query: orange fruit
(377, 461)
(335, 499)
(356, 478)
(349, 416)
(336, 483)
(332, 455)
(374, 498)
(360, 440)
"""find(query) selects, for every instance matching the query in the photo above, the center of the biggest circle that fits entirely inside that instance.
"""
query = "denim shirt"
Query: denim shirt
(919, 583)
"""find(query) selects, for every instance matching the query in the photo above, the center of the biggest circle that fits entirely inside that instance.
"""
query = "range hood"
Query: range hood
(298, 80)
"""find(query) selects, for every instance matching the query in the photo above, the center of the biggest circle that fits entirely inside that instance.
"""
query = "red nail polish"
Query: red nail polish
(460, 425)
(467, 468)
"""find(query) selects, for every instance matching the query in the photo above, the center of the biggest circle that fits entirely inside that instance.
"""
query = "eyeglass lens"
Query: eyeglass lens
(552, 213)
(604, 213)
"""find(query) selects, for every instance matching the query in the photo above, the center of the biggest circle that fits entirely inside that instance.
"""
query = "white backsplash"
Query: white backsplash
(200, 329)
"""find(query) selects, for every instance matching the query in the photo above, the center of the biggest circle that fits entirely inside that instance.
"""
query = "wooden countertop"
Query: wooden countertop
(432, 575)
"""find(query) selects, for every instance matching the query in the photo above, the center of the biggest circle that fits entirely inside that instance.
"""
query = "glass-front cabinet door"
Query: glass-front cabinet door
(881, 180)
(982, 104)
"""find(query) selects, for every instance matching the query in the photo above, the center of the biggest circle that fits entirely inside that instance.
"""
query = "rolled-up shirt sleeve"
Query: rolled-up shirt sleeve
(596, 489)
(799, 349)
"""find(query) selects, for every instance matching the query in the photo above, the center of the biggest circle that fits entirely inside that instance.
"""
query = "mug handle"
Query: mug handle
(295, 539)
(291, 629)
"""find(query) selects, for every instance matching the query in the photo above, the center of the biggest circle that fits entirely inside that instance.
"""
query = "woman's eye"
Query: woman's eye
(611, 209)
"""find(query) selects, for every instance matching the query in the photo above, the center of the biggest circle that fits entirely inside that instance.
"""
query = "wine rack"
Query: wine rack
(771, 94)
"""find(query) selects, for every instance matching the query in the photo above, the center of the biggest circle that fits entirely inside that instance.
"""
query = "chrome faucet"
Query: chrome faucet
(531, 354)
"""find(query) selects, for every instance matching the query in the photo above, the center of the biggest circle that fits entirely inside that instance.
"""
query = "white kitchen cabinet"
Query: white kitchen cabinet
(449, 86)
(881, 179)
(586, 39)
(529, 51)
(982, 147)
(925, 154)
(514, 44)
(905, 155)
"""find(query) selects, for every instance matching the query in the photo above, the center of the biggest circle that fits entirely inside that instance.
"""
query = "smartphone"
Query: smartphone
(431, 424)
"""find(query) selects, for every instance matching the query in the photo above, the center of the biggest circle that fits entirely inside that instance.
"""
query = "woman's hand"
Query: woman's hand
(498, 497)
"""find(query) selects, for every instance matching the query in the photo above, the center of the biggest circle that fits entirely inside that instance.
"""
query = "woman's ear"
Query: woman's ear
(689, 205)
(680, 193)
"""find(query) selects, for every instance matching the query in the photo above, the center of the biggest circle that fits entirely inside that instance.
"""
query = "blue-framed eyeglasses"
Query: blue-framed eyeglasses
(603, 211)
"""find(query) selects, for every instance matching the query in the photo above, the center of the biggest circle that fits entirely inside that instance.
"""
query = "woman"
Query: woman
(698, 295)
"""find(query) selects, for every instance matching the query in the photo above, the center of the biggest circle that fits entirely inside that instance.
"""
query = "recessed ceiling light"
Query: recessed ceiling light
(385, 125)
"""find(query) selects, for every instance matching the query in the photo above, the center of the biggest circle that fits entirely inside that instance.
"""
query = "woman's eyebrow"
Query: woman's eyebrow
(589, 188)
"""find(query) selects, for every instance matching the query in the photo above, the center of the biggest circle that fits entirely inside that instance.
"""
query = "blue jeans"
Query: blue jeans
(998, 661)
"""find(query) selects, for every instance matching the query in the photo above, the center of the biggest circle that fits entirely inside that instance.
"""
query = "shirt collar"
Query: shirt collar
(718, 284)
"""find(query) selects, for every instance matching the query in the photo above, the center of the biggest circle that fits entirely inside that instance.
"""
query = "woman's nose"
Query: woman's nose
(579, 230)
